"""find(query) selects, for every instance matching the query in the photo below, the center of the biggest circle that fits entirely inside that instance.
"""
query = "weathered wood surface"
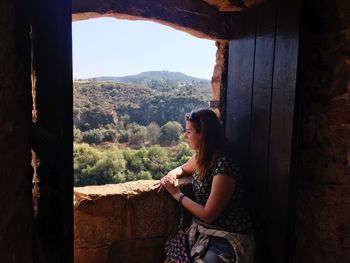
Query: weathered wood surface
(51, 22)
(260, 118)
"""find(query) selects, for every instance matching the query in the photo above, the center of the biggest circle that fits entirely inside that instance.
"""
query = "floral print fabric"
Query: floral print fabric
(176, 249)
(234, 218)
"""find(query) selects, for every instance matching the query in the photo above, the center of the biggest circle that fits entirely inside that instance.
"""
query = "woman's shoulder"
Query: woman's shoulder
(226, 165)
(226, 159)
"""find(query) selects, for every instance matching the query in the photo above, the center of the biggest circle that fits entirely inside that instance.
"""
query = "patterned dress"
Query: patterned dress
(234, 217)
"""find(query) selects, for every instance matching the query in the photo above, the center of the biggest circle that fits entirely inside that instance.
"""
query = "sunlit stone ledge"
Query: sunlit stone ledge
(126, 222)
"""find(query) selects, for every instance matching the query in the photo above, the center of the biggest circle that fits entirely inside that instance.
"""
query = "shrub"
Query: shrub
(93, 136)
(157, 161)
(137, 135)
(123, 136)
(97, 167)
(109, 135)
(145, 175)
(170, 133)
(181, 154)
(77, 134)
(153, 133)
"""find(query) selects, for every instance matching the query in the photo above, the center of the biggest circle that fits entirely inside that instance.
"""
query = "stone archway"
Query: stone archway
(211, 19)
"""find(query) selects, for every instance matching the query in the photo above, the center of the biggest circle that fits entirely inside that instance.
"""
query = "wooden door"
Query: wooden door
(261, 90)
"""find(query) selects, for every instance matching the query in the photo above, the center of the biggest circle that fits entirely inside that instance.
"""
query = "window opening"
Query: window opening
(128, 126)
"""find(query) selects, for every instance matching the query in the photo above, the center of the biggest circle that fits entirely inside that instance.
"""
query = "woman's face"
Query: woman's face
(193, 138)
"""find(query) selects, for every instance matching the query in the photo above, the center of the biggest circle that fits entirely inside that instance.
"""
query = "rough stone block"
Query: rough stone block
(119, 220)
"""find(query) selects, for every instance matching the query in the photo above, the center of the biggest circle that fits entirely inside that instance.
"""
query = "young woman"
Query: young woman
(221, 230)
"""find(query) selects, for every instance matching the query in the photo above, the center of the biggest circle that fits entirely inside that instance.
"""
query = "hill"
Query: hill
(100, 103)
(144, 77)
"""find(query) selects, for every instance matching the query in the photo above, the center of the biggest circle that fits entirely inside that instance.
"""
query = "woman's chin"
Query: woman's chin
(193, 148)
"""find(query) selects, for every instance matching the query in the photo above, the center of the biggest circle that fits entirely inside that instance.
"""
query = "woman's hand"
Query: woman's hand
(161, 184)
(187, 168)
(172, 187)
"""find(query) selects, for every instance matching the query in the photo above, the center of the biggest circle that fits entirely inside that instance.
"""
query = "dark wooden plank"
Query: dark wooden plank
(64, 46)
(260, 122)
(282, 115)
(53, 62)
(239, 90)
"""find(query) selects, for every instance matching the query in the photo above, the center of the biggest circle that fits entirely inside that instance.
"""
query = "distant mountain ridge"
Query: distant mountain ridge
(143, 77)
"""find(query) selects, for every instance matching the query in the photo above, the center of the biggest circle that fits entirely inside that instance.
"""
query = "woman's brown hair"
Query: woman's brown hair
(214, 141)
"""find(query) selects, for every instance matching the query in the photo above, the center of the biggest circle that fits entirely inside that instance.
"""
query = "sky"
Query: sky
(114, 47)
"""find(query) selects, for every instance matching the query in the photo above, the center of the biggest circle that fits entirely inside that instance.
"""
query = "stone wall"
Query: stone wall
(323, 198)
(15, 118)
(122, 223)
(219, 79)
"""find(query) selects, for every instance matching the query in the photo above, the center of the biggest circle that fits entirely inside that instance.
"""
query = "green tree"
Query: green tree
(137, 135)
(180, 154)
(85, 157)
(145, 175)
(93, 136)
(109, 135)
(135, 160)
(97, 167)
(157, 161)
(110, 168)
(170, 133)
(153, 133)
(123, 136)
(77, 134)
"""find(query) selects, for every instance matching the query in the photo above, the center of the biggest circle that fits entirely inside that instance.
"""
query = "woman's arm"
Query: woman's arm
(221, 192)
(187, 168)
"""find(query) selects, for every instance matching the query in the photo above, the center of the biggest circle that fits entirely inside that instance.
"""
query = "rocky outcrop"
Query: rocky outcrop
(122, 222)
